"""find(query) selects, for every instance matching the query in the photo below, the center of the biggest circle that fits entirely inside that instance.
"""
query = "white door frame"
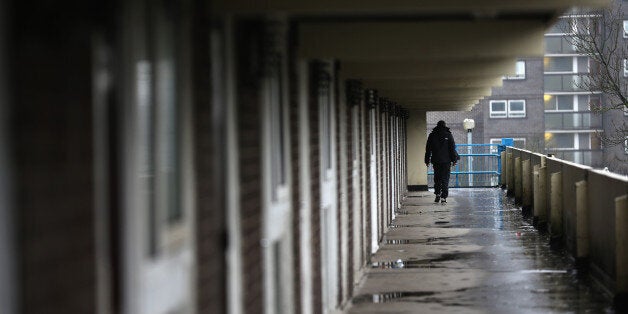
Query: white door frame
(305, 191)
(374, 180)
(329, 200)
(223, 83)
(277, 200)
(355, 189)
(161, 281)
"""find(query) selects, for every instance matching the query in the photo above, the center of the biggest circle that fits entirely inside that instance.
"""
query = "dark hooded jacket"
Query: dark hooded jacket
(440, 147)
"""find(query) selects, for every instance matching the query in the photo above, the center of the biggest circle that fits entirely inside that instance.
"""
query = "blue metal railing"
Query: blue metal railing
(485, 161)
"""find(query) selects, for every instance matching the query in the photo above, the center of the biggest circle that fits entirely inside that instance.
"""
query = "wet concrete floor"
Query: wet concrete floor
(476, 254)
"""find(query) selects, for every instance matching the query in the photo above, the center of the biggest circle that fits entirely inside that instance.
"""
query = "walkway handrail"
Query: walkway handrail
(584, 209)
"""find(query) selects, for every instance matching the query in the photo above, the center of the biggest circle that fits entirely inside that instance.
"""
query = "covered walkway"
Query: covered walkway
(477, 254)
(214, 156)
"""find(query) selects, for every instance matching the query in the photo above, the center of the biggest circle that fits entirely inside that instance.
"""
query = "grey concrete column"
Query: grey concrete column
(502, 179)
(621, 244)
(540, 198)
(527, 185)
(518, 181)
(536, 198)
(417, 136)
(510, 173)
(582, 220)
(556, 202)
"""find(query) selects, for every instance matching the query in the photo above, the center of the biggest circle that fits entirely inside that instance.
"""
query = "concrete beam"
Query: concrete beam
(422, 40)
(436, 94)
(432, 84)
(436, 107)
(399, 7)
(432, 70)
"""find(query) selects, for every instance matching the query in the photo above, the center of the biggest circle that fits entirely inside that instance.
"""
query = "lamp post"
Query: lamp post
(468, 125)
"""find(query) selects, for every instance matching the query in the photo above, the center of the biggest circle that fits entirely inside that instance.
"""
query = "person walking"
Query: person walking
(440, 150)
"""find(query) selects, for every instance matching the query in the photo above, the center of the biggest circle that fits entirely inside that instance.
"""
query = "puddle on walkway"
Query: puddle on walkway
(543, 271)
(409, 241)
(525, 273)
(423, 263)
(407, 226)
(389, 297)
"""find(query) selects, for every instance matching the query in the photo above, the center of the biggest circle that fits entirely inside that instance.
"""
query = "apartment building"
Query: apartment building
(571, 129)
(514, 110)
(546, 106)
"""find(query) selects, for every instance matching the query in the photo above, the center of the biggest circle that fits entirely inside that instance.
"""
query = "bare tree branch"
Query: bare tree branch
(599, 36)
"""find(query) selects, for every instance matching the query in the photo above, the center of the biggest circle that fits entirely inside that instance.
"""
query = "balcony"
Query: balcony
(558, 45)
(572, 120)
(566, 83)
(588, 157)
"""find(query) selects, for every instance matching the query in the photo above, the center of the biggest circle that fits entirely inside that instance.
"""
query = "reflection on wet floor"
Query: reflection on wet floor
(388, 297)
(508, 265)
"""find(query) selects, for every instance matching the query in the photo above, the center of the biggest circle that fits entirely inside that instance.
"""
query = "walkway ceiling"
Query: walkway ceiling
(427, 55)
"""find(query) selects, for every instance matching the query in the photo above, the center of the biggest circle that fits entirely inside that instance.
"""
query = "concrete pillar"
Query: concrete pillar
(556, 202)
(510, 174)
(582, 220)
(621, 244)
(526, 179)
(518, 180)
(502, 178)
(540, 197)
(535, 193)
(417, 136)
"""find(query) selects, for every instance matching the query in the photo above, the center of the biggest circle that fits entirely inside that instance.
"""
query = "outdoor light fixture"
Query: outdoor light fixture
(468, 124)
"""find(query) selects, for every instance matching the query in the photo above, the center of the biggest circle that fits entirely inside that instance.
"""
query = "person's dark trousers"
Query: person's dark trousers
(441, 179)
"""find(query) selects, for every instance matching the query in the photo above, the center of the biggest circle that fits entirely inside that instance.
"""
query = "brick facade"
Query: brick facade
(315, 183)
(210, 177)
(53, 154)
(294, 157)
(249, 37)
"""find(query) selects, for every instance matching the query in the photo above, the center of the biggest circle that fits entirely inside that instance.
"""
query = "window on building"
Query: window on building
(626, 145)
(274, 101)
(560, 140)
(507, 108)
(564, 25)
(520, 143)
(625, 67)
(495, 141)
(559, 44)
(595, 101)
(558, 64)
(516, 108)
(520, 71)
(498, 109)
(625, 32)
(567, 102)
(583, 65)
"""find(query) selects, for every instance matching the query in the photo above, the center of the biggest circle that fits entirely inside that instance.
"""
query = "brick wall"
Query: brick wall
(248, 36)
(294, 157)
(209, 139)
(316, 189)
(52, 114)
(349, 178)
